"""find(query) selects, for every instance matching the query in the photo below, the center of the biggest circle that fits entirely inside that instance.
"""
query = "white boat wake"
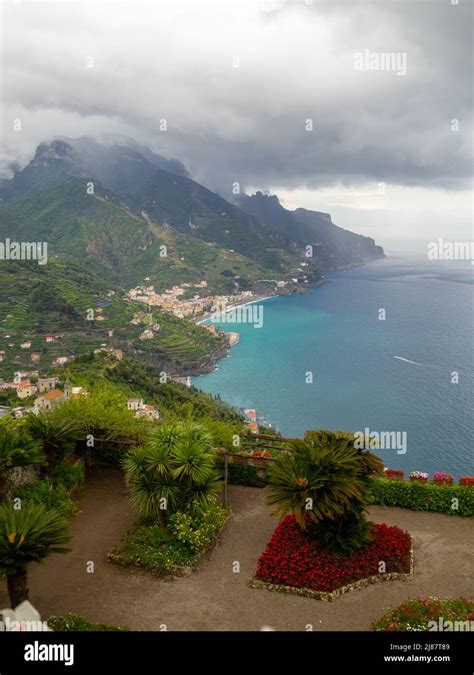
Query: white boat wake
(415, 363)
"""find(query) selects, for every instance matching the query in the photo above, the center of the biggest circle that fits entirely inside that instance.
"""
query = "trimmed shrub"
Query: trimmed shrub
(423, 496)
(408, 495)
(244, 474)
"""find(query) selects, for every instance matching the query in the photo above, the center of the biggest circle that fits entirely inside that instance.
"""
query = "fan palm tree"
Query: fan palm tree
(17, 449)
(28, 535)
(54, 433)
(323, 481)
(175, 469)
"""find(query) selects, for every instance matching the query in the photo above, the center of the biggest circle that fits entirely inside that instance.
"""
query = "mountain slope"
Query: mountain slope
(121, 245)
(149, 201)
(145, 184)
(56, 299)
(332, 245)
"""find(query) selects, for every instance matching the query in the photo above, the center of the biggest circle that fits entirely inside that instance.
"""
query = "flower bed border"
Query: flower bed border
(331, 596)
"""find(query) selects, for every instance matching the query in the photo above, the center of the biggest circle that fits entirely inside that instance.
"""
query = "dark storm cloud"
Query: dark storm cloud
(247, 123)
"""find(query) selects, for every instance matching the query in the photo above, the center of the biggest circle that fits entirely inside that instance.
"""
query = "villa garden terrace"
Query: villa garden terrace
(175, 519)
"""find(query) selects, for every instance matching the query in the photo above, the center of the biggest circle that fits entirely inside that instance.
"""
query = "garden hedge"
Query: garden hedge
(405, 494)
(244, 474)
(451, 499)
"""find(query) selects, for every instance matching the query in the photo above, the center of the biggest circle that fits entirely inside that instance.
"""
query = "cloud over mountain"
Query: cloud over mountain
(236, 83)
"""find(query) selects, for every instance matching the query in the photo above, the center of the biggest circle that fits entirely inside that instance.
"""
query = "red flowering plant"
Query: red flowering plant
(324, 481)
(442, 477)
(294, 557)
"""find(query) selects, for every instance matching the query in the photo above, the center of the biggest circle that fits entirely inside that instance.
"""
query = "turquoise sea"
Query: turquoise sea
(335, 332)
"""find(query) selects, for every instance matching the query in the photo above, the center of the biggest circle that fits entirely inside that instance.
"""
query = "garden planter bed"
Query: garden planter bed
(293, 562)
(152, 548)
(428, 614)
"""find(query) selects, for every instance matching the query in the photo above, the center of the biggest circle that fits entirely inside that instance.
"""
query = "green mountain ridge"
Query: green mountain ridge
(149, 201)
(121, 245)
(159, 198)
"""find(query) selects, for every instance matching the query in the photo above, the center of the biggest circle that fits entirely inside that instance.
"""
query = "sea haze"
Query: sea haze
(334, 331)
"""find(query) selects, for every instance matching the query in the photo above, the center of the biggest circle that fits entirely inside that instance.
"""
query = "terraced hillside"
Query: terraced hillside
(82, 312)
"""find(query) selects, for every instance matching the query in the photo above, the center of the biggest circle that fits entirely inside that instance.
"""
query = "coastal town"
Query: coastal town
(191, 301)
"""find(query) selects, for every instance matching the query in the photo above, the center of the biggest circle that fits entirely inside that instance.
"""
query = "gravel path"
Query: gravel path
(217, 598)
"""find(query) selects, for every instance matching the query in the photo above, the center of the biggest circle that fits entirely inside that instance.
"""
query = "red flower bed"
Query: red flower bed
(294, 558)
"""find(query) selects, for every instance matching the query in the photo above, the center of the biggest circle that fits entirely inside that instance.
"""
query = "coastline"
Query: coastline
(207, 317)
(299, 290)
(252, 378)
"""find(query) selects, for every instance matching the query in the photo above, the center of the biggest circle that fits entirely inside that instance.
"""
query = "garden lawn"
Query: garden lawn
(295, 558)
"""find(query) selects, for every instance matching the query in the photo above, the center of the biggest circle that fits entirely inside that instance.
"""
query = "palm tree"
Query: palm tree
(323, 481)
(54, 433)
(28, 535)
(17, 449)
(173, 470)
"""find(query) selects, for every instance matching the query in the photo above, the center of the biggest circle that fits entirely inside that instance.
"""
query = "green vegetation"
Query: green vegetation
(243, 474)
(16, 449)
(56, 299)
(402, 494)
(323, 481)
(454, 500)
(124, 246)
(198, 527)
(101, 417)
(55, 433)
(424, 614)
(28, 535)
(55, 491)
(153, 547)
(174, 470)
(167, 550)
(174, 487)
(103, 414)
(76, 623)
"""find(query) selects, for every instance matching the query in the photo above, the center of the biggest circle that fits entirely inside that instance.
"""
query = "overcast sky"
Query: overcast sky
(236, 82)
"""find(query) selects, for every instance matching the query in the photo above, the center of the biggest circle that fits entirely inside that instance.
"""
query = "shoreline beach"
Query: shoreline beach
(230, 308)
